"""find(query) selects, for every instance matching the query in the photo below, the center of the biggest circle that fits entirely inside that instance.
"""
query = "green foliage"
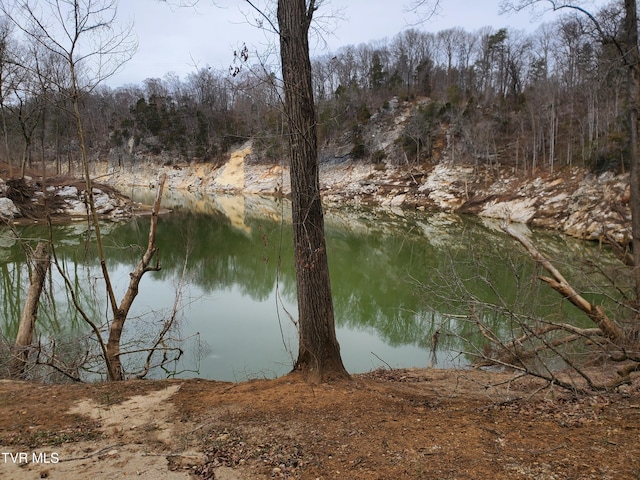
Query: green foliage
(118, 137)
(378, 156)
(188, 129)
(359, 149)
(613, 154)
(497, 40)
(377, 75)
(493, 88)
(362, 113)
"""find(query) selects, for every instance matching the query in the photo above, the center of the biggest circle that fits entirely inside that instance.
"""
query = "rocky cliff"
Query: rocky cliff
(573, 201)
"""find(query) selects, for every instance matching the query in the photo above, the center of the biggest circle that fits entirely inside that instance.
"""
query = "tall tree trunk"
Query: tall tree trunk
(5, 135)
(24, 337)
(632, 60)
(318, 352)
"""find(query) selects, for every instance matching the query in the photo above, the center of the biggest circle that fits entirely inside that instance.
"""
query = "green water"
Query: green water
(397, 278)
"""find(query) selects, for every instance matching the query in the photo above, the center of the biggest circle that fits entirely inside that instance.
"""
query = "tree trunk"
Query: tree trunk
(5, 134)
(30, 312)
(318, 352)
(632, 61)
(115, 371)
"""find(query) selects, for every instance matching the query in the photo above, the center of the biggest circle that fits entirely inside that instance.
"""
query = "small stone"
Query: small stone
(8, 208)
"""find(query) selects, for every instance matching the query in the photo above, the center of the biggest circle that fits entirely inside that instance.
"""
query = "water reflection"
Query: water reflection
(398, 280)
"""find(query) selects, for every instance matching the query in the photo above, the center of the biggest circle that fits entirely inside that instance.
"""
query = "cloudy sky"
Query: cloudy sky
(179, 40)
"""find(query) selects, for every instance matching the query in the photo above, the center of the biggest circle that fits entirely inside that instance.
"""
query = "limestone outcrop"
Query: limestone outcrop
(573, 201)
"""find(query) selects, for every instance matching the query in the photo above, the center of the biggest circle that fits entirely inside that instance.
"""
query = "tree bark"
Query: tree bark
(24, 337)
(318, 352)
(632, 61)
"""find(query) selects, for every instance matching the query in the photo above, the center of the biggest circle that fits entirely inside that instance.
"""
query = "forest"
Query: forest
(542, 100)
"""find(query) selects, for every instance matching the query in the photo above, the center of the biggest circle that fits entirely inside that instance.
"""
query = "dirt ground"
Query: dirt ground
(388, 424)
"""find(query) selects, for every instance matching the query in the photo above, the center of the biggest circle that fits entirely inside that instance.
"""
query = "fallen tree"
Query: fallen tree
(562, 311)
(607, 337)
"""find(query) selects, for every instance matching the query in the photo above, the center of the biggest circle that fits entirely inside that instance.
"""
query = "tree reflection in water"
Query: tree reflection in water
(396, 280)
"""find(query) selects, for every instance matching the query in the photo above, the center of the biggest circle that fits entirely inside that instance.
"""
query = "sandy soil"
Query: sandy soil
(390, 424)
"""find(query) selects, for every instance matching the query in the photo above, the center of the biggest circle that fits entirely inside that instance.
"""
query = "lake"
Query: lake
(401, 281)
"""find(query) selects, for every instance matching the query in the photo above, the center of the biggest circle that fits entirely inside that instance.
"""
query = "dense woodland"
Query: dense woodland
(544, 100)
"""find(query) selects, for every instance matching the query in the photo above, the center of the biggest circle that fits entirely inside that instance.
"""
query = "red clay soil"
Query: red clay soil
(389, 424)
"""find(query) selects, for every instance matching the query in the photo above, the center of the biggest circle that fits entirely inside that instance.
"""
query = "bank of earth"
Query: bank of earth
(388, 424)
(574, 201)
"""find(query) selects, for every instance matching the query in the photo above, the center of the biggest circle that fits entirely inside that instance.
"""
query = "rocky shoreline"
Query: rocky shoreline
(26, 200)
(574, 201)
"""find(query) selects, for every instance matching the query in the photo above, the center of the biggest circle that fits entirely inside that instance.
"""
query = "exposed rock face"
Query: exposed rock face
(573, 201)
(576, 202)
(106, 205)
(599, 208)
(517, 210)
(447, 186)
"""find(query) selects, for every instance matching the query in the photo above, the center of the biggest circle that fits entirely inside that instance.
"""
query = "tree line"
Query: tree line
(546, 99)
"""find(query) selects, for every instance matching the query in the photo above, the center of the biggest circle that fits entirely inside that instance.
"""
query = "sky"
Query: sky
(181, 40)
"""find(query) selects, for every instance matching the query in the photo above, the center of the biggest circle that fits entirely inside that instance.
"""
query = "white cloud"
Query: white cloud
(178, 40)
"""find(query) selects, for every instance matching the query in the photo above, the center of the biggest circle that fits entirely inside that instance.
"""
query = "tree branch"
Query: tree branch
(595, 312)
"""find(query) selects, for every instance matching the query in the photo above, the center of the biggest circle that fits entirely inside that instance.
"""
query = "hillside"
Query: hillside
(572, 200)
(483, 122)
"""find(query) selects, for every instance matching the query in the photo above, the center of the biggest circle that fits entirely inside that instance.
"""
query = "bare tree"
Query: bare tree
(27, 108)
(83, 38)
(619, 345)
(524, 342)
(8, 74)
(424, 9)
(41, 263)
(631, 58)
(629, 53)
(319, 356)
(318, 352)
